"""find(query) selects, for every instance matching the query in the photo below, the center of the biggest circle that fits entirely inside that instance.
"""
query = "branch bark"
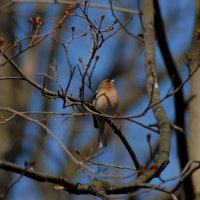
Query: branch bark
(152, 86)
(194, 105)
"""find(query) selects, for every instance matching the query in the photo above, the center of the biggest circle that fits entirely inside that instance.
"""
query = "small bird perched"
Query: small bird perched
(106, 100)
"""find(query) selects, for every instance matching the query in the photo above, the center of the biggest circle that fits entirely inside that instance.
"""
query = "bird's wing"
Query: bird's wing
(95, 94)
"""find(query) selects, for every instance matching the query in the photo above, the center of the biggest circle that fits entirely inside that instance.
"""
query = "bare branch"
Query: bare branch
(64, 2)
(65, 149)
(153, 93)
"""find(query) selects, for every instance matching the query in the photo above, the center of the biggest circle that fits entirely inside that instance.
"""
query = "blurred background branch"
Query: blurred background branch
(53, 56)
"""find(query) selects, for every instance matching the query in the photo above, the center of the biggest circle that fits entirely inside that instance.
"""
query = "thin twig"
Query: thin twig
(67, 2)
(65, 149)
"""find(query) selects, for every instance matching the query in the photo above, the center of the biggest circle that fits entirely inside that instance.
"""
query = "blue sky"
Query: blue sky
(179, 38)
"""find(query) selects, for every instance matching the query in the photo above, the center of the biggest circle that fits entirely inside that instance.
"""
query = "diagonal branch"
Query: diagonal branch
(118, 132)
(68, 2)
(95, 187)
(152, 87)
(77, 188)
(49, 132)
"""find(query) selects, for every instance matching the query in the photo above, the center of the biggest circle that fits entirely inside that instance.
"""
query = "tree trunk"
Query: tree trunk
(194, 107)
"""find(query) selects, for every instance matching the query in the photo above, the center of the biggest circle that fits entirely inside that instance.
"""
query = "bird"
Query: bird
(106, 100)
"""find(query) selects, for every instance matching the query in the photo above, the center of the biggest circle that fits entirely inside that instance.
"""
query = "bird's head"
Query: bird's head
(107, 83)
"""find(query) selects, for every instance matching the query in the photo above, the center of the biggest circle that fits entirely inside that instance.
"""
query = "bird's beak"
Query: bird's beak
(113, 80)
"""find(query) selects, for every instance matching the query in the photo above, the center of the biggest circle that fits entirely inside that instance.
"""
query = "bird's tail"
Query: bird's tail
(102, 140)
